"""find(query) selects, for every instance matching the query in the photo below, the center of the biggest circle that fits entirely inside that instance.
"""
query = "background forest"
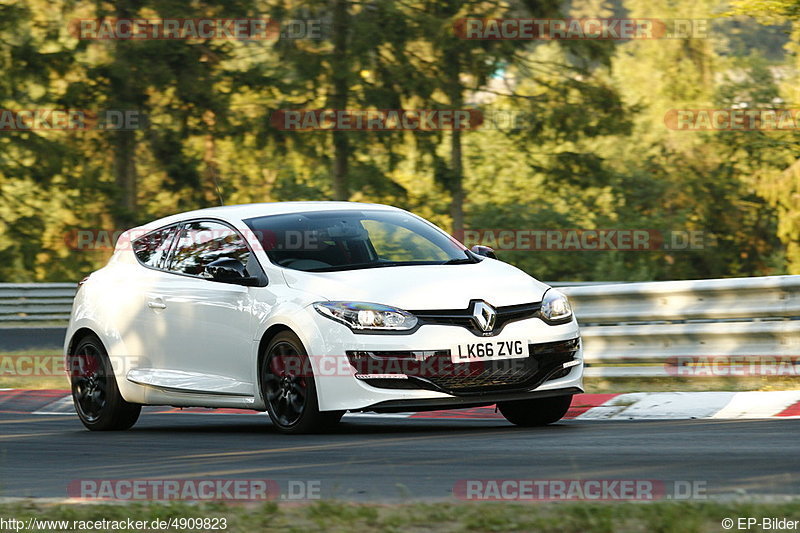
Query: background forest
(587, 148)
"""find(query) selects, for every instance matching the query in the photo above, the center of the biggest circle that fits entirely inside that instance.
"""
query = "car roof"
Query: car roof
(233, 213)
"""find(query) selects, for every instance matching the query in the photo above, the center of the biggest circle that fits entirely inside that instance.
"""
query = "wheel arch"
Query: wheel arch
(78, 336)
(268, 335)
(266, 338)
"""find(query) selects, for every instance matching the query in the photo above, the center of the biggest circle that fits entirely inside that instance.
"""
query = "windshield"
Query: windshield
(326, 241)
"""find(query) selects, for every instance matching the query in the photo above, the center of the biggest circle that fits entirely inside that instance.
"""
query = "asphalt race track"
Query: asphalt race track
(385, 459)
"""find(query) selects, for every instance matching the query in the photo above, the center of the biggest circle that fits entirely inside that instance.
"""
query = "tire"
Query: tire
(95, 394)
(287, 385)
(536, 412)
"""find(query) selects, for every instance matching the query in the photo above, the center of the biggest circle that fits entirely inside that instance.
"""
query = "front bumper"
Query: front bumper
(434, 370)
(368, 367)
(435, 404)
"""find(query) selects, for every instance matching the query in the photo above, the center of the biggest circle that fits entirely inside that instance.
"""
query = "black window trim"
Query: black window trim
(166, 261)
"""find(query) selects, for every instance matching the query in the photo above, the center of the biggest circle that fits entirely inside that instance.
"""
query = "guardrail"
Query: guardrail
(35, 302)
(722, 327)
(628, 329)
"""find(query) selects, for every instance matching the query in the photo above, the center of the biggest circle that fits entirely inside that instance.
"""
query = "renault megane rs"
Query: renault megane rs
(308, 310)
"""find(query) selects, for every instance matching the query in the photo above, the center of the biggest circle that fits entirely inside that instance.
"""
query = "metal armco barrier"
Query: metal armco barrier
(666, 323)
(35, 302)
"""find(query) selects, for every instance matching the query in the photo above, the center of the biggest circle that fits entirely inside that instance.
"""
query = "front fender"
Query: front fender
(291, 310)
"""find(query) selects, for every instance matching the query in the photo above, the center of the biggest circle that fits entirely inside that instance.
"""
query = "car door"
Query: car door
(203, 327)
(135, 308)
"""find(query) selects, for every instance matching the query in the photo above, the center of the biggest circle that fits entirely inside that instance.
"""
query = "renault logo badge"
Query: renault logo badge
(484, 316)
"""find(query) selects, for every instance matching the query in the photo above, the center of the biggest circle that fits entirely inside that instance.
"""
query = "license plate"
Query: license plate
(489, 351)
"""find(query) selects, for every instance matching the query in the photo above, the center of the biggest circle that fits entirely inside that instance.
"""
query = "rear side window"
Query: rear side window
(152, 249)
(200, 243)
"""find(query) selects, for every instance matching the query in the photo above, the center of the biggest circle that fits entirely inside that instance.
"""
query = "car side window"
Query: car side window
(203, 242)
(152, 249)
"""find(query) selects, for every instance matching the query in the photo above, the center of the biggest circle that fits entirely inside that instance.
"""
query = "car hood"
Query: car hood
(424, 286)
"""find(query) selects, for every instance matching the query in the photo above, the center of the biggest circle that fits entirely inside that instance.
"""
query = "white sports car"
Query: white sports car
(307, 310)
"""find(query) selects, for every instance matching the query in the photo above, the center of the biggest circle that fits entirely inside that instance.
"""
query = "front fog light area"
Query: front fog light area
(367, 316)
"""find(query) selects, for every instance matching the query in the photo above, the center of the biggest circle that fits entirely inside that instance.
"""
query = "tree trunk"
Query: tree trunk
(125, 177)
(212, 188)
(455, 95)
(124, 141)
(338, 100)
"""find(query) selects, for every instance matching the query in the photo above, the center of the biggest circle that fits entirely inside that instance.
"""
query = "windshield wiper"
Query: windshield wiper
(377, 264)
(463, 261)
(470, 258)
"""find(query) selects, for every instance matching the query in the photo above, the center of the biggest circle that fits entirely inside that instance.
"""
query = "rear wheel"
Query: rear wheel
(287, 383)
(97, 400)
(536, 412)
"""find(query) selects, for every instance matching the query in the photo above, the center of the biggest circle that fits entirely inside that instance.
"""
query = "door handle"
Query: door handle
(156, 303)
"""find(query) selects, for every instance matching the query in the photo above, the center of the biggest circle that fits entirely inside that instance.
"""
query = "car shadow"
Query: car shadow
(261, 425)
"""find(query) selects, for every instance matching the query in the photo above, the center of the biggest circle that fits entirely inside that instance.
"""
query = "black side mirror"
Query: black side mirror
(484, 251)
(229, 270)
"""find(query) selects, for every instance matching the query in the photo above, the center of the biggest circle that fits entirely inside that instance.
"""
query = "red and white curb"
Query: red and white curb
(631, 406)
(689, 405)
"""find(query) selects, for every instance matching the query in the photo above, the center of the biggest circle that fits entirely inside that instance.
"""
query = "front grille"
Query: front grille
(437, 372)
(463, 317)
(487, 375)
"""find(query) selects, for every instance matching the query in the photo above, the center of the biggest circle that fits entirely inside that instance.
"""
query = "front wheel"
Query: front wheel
(287, 383)
(537, 411)
(97, 400)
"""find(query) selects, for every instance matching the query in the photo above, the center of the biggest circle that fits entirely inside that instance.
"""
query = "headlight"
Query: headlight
(367, 316)
(555, 307)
